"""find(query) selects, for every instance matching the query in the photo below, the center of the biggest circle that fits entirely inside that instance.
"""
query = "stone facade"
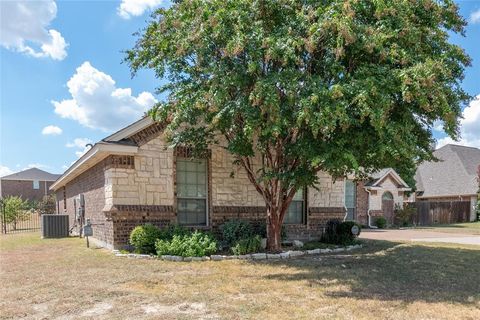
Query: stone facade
(123, 192)
(24, 189)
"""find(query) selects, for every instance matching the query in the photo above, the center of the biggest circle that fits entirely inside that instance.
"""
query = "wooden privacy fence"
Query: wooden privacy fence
(441, 212)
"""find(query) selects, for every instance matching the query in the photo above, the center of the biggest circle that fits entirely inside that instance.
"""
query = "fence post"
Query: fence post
(3, 217)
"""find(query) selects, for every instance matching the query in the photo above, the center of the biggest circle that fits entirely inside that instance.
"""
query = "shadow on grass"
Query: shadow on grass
(392, 271)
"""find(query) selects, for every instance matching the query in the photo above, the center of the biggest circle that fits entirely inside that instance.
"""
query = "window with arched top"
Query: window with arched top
(387, 195)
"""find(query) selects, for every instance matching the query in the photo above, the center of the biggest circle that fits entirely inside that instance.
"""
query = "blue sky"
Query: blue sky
(61, 78)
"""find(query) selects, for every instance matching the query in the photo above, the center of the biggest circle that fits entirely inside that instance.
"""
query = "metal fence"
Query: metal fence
(441, 212)
(26, 219)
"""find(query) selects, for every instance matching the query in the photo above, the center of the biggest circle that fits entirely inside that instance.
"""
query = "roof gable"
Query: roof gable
(378, 177)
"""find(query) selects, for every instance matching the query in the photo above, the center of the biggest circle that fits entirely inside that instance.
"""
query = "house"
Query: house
(377, 196)
(452, 178)
(32, 184)
(132, 177)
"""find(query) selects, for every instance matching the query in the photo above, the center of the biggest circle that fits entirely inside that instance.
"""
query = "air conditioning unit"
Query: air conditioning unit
(54, 225)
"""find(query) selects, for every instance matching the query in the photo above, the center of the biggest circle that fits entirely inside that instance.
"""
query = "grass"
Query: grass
(61, 278)
(466, 227)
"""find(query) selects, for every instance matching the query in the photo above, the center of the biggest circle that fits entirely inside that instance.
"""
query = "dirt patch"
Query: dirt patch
(197, 310)
(98, 309)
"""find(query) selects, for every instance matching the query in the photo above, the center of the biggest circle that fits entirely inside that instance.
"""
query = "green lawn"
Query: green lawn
(467, 227)
(46, 279)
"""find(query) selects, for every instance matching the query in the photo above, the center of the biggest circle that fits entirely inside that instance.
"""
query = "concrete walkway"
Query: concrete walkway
(420, 236)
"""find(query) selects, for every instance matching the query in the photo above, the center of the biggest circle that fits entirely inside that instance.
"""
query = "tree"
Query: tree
(14, 210)
(303, 86)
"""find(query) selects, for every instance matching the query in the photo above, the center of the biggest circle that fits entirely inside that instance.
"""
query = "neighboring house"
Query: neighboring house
(374, 197)
(31, 184)
(452, 178)
(132, 177)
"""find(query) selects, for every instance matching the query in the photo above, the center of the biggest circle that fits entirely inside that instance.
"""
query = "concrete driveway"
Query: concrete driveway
(420, 236)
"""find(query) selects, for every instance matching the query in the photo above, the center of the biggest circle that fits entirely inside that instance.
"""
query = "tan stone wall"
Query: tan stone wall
(149, 183)
(329, 194)
(387, 185)
(230, 184)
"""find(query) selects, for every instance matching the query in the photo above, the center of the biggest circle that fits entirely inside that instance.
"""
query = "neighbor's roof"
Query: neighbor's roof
(32, 174)
(455, 174)
(378, 176)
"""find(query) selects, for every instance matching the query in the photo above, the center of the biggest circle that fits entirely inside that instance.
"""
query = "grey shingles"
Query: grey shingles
(32, 174)
(453, 175)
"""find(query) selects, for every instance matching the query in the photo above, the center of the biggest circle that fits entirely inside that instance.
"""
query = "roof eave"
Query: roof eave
(96, 154)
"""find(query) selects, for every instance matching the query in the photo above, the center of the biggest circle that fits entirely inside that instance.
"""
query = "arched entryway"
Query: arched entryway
(387, 206)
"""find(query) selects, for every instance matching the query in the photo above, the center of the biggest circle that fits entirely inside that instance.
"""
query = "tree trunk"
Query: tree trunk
(274, 228)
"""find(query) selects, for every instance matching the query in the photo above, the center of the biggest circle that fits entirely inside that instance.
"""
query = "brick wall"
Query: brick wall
(361, 203)
(91, 184)
(24, 189)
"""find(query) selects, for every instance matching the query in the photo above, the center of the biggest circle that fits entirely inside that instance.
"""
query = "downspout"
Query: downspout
(368, 212)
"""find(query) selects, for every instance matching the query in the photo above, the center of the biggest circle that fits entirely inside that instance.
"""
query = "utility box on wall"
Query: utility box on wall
(54, 225)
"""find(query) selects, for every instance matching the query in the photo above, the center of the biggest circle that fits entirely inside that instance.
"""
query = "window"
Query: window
(387, 195)
(350, 198)
(36, 184)
(192, 192)
(295, 212)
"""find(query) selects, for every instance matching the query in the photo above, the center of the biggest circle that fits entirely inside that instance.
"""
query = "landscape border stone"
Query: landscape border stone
(254, 256)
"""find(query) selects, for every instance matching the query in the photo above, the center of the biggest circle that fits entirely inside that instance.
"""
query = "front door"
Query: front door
(387, 207)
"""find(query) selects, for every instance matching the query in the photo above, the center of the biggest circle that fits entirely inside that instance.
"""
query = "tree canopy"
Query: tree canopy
(337, 86)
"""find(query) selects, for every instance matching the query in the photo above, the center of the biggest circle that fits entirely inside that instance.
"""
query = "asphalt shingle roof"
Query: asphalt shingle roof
(455, 174)
(32, 174)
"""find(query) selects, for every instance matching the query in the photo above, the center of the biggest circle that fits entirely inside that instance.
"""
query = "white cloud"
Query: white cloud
(129, 8)
(24, 28)
(5, 171)
(469, 126)
(97, 103)
(79, 143)
(52, 130)
(475, 16)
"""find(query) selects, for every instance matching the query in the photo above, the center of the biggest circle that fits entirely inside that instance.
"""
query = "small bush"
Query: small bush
(250, 245)
(171, 230)
(330, 234)
(338, 232)
(143, 238)
(381, 222)
(261, 230)
(235, 230)
(404, 216)
(197, 244)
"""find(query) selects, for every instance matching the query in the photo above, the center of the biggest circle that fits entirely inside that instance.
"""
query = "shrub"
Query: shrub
(261, 230)
(235, 230)
(197, 244)
(338, 232)
(15, 210)
(330, 234)
(381, 222)
(171, 230)
(250, 245)
(143, 238)
(404, 215)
